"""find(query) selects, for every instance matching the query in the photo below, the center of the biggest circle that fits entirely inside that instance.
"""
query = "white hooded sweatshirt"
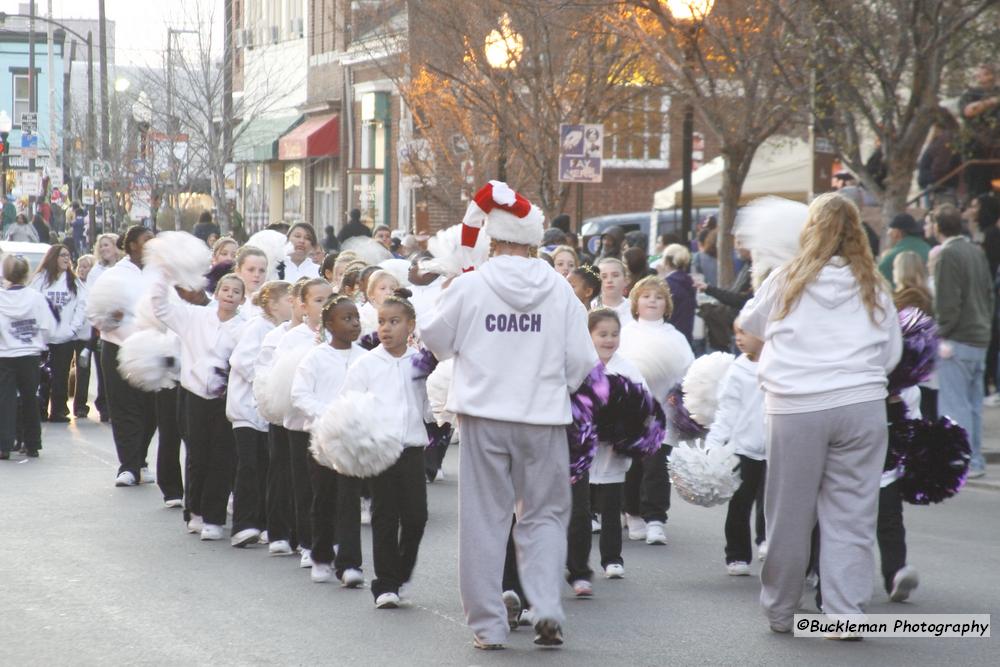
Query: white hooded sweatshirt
(241, 406)
(827, 352)
(319, 377)
(137, 283)
(739, 417)
(68, 307)
(519, 338)
(26, 322)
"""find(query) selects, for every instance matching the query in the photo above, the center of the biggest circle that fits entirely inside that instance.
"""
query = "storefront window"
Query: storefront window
(293, 192)
(254, 203)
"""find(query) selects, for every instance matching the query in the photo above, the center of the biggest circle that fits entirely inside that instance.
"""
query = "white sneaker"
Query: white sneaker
(321, 573)
(263, 537)
(212, 532)
(439, 475)
(174, 502)
(614, 571)
(654, 533)
(595, 525)
(738, 569)
(279, 548)
(992, 401)
(125, 478)
(146, 477)
(366, 512)
(229, 505)
(905, 581)
(306, 560)
(195, 524)
(527, 617)
(387, 601)
(512, 601)
(352, 578)
(636, 527)
(582, 588)
(245, 537)
(762, 550)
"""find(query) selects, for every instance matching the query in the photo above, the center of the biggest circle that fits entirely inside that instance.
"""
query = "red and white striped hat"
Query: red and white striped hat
(507, 215)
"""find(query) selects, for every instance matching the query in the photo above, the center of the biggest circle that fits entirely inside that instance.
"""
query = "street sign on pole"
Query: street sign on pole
(29, 121)
(29, 145)
(29, 183)
(88, 191)
(581, 151)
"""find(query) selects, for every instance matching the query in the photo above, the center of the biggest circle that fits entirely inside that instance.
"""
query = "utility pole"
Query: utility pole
(227, 108)
(67, 105)
(105, 122)
(91, 129)
(174, 204)
(31, 87)
(55, 156)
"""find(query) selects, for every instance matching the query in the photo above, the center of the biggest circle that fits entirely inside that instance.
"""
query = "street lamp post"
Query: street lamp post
(6, 125)
(142, 115)
(692, 13)
(504, 48)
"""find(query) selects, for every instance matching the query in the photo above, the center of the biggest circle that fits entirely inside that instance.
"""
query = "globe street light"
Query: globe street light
(122, 84)
(503, 48)
(693, 13)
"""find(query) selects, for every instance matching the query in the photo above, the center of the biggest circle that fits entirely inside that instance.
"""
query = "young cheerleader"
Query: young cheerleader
(586, 283)
(613, 284)
(336, 498)
(25, 326)
(564, 260)
(57, 282)
(298, 263)
(82, 347)
(107, 254)
(208, 336)
(663, 355)
(224, 250)
(251, 267)
(739, 421)
(132, 411)
(399, 495)
(381, 284)
(250, 429)
(326, 269)
(313, 295)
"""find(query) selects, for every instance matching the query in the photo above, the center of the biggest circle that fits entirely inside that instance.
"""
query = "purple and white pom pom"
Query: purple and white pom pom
(682, 426)
(438, 435)
(935, 456)
(424, 363)
(370, 341)
(704, 476)
(582, 432)
(920, 344)
(632, 421)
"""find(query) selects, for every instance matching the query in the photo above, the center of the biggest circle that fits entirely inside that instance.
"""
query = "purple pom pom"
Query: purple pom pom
(216, 273)
(370, 341)
(582, 432)
(632, 422)
(681, 423)
(424, 363)
(438, 436)
(920, 344)
(935, 457)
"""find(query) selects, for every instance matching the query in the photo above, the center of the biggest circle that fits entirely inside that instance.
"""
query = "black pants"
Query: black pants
(609, 499)
(56, 390)
(302, 494)
(433, 459)
(738, 545)
(890, 533)
(280, 510)
(82, 391)
(210, 451)
(336, 517)
(133, 415)
(990, 376)
(511, 577)
(168, 451)
(19, 418)
(399, 514)
(250, 488)
(101, 400)
(580, 536)
(929, 403)
(647, 487)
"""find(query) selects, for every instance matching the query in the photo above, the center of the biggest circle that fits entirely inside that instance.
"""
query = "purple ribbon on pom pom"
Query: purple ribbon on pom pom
(920, 344)
(438, 436)
(582, 432)
(424, 363)
(370, 341)
(632, 422)
(681, 422)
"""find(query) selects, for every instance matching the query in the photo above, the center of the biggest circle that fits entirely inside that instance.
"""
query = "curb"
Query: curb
(984, 483)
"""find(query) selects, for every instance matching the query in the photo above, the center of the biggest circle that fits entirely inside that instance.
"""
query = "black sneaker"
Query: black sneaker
(32, 453)
(548, 633)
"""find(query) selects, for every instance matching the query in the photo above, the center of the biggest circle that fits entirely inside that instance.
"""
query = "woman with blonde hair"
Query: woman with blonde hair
(829, 335)
(909, 275)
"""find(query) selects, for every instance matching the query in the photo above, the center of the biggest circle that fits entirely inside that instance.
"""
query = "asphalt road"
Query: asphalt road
(93, 574)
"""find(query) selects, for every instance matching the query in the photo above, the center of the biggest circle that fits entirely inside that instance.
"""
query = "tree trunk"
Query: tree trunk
(729, 201)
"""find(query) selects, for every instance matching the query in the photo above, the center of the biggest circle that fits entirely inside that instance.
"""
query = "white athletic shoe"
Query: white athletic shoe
(905, 581)
(512, 601)
(321, 573)
(387, 601)
(583, 588)
(263, 537)
(366, 512)
(595, 524)
(636, 527)
(762, 550)
(279, 548)
(306, 560)
(352, 578)
(212, 532)
(654, 533)
(527, 617)
(738, 569)
(614, 571)
(229, 505)
(439, 475)
(174, 502)
(992, 401)
(125, 478)
(195, 524)
(146, 477)
(245, 537)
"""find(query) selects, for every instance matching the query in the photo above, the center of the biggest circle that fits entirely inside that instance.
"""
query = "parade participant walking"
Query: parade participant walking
(830, 335)
(298, 263)
(518, 335)
(22, 231)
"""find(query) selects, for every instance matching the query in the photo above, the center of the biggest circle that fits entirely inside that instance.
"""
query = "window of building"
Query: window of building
(21, 102)
(639, 135)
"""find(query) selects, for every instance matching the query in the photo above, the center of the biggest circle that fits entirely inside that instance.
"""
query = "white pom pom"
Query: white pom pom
(449, 255)
(261, 396)
(272, 243)
(701, 386)
(770, 227)
(352, 439)
(150, 360)
(503, 194)
(369, 251)
(274, 398)
(703, 476)
(108, 301)
(399, 268)
(438, 386)
(182, 257)
(660, 360)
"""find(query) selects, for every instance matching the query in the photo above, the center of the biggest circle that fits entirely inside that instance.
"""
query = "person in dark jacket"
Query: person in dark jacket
(44, 233)
(638, 268)
(740, 290)
(676, 260)
(354, 227)
(330, 243)
(206, 230)
(940, 158)
(611, 242)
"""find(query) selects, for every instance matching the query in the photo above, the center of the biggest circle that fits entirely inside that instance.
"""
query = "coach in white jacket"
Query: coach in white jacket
(519, 338)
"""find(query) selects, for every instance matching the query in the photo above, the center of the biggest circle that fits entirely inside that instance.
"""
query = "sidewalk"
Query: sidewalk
(991, 451)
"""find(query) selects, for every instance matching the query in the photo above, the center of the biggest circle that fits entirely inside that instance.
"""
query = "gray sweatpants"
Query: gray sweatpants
(824, 464)
(509, 468)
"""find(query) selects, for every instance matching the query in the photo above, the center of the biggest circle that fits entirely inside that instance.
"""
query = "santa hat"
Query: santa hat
(508, 217)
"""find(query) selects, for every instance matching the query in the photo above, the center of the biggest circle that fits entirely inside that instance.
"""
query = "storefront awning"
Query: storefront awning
(257, 139)
(318, 136)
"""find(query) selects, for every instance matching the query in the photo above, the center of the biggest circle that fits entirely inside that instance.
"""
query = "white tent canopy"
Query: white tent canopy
(781, 167)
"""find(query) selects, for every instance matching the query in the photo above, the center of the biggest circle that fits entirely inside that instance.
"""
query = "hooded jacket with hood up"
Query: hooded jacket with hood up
(26, 322)
(827, 352)
(519, 338)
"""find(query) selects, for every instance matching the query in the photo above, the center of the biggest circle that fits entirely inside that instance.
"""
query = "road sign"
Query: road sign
(30, 183)
(88, 191)
(55, 176)
(29, 121)
(581, 151)
(29, 145)
(100, 169)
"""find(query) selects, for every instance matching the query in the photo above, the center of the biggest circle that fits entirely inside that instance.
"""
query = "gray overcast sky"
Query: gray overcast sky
(140, 25)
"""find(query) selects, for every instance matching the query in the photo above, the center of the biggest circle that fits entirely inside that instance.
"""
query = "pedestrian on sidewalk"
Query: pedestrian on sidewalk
(21, 231)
